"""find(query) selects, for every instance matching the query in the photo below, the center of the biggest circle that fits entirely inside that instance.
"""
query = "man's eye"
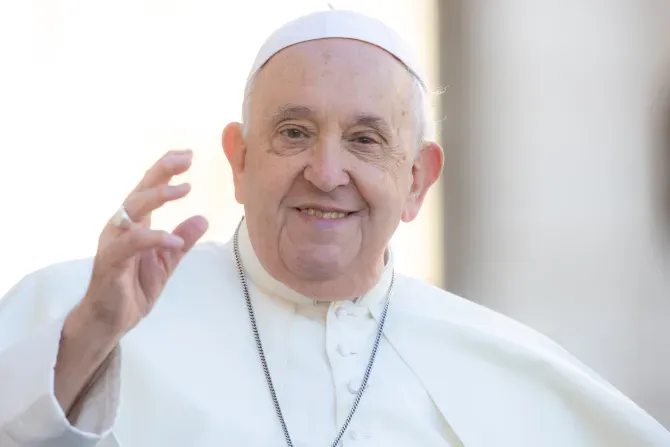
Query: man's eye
(293, 133)
(365, 140)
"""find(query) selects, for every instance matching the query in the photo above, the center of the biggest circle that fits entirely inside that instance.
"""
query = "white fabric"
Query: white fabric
(337, 24)
(449, 372)
(31, 320)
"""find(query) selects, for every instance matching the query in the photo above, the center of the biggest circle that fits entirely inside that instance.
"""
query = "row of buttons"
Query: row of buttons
(343, 349)
(346, 350)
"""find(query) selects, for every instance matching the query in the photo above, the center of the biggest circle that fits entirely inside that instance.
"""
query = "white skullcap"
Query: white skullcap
(337, 24)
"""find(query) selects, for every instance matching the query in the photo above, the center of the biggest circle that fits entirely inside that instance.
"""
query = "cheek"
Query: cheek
(380, 188)
(270, 177)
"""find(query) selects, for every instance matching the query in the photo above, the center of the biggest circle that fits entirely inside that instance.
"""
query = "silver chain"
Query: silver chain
(261, 354)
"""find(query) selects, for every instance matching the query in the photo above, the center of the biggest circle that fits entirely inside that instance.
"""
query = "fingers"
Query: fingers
(175, 245)
(171, 164)
(137, 240)
(141, 203)
(153, 191)
(150, 194)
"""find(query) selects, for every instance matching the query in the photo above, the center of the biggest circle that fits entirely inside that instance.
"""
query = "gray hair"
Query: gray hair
(418, 104)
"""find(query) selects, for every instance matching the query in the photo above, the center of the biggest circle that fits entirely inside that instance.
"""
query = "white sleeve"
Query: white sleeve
(29, 412)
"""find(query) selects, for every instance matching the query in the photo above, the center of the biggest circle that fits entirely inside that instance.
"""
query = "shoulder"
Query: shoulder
(479, 324)
(54, 286)
(416, 297)
(471, 359)
(42, 296)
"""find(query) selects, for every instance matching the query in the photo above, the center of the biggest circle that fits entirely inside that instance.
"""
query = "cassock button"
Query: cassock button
(354, 387)
(340, 313)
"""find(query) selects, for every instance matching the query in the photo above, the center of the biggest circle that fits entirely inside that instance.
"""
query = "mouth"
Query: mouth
(326, 214)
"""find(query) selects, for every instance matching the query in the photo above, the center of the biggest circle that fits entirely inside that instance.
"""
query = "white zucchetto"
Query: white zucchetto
(337, 24)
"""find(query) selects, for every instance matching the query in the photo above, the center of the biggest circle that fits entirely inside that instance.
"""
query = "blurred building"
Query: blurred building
(556, 181)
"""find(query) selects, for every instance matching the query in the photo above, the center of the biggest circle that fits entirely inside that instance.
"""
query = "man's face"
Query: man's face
(328, 168)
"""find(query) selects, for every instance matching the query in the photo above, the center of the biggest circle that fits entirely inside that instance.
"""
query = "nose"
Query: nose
(325, 167)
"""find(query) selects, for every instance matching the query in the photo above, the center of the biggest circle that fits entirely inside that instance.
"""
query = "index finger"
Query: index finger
(171, 164)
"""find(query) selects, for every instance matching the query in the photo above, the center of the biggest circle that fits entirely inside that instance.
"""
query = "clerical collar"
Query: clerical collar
(268, 284)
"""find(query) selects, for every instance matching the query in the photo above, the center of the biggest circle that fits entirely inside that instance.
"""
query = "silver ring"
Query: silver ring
(121, 219)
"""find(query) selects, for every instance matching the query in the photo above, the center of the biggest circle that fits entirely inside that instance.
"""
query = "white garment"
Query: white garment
(448, 373)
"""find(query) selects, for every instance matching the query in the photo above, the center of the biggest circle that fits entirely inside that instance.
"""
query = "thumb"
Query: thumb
(190, 231)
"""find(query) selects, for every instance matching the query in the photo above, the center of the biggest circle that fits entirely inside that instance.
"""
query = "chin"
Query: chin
(318, 263)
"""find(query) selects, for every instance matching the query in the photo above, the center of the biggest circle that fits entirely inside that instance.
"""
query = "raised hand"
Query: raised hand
(131, 267)
(133, 264)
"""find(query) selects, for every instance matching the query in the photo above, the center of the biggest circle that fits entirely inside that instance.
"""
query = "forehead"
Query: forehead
(333, 76)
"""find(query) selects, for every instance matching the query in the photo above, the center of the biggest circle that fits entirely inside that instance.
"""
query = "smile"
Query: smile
(324, 214)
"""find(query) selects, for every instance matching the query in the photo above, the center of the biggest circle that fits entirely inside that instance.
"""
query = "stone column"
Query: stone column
(552, 210)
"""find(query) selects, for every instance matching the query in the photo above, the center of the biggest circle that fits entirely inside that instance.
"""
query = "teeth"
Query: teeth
(324, 215)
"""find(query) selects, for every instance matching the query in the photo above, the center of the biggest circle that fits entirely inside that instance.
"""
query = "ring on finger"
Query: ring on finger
(121, 219)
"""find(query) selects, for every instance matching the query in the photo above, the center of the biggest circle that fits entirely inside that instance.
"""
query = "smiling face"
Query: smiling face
(327, 165)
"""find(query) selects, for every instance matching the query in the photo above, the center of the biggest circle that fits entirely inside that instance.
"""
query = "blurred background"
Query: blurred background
(554, 207)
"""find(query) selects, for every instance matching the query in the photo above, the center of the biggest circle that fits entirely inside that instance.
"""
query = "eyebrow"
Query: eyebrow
(291, 111)
(376, 122)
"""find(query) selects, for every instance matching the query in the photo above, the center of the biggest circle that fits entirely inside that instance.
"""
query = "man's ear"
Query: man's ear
(425, 172)
(236, 150)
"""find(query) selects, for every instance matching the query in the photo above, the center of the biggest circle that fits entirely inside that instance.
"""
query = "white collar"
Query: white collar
(268, 284)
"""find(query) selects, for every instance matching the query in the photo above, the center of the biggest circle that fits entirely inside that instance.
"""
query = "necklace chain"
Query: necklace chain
(261, 353)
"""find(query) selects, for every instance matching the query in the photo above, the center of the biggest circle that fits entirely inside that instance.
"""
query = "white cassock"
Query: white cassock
(448, 372)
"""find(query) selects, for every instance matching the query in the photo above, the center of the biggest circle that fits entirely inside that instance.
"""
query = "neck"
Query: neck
(349, 285)
(368, 284)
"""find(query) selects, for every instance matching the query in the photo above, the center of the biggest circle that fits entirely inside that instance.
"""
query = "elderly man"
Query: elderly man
(298, 331)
